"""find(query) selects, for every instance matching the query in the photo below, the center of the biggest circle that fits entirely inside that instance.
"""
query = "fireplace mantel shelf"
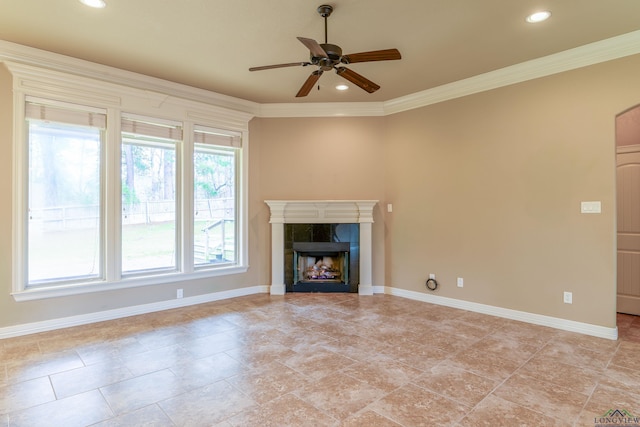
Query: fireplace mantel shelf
(321, 212)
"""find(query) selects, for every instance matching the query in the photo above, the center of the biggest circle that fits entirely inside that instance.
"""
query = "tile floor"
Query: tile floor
(317, 360)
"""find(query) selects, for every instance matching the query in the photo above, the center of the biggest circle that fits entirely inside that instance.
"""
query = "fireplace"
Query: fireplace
(321, 257)
(334, 236)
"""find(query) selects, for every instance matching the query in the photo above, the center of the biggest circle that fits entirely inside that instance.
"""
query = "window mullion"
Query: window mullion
(113, 201)
(242, 199)
(20, 195)
(187, 199)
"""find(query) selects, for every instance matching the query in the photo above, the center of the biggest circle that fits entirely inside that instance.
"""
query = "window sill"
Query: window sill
(56, 291)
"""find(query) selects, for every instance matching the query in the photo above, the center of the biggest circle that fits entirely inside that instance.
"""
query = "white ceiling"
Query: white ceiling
(211, 44)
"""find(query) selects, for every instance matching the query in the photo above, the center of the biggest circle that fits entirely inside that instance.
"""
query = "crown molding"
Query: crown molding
(25, 55)
(322, 109)
(47, 83)
(590, 54)
(583, 56)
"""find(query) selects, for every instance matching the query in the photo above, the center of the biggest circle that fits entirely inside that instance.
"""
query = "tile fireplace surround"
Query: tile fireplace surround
(320, 212)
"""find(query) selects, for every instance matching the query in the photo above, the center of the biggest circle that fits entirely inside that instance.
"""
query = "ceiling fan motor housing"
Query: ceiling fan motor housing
(334, 53)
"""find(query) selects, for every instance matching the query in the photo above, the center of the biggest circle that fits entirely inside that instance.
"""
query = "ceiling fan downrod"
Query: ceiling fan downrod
(325, 11)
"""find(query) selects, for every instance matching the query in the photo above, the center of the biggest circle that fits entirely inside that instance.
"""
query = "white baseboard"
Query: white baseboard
(536, 319)
(84, 319)
(378, 290)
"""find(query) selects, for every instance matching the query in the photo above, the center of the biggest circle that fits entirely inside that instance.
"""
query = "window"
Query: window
(214, 216)
(148, 167)
(108, 199)
(65, 221)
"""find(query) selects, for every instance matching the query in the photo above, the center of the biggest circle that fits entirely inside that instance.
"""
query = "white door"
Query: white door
(628, 203)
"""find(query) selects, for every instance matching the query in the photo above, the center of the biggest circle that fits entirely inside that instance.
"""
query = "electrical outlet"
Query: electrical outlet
(460, 282)
(432, 276)
(179, 293)
(568, 298)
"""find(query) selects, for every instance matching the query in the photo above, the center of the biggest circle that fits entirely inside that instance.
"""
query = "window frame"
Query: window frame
(235, 149)
(25, 214)
(120, 100)
(177, 144)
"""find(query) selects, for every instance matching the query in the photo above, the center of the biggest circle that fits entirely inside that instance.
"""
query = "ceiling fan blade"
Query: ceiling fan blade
(308, 85)
(376, 55)
(290, 64)
(357, 79)
(313, 46)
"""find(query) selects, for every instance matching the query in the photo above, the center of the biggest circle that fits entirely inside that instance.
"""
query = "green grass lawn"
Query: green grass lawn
(75, 252)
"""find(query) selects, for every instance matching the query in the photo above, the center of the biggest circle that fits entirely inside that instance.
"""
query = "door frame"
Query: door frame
(622, 302)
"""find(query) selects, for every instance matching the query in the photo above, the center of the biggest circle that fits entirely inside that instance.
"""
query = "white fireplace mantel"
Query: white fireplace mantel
(321, 212)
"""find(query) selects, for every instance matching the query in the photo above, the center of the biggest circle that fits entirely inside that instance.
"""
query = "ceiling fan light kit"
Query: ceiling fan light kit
(326, 57)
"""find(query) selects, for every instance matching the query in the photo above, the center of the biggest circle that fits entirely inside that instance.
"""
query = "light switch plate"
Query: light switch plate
(591, 207)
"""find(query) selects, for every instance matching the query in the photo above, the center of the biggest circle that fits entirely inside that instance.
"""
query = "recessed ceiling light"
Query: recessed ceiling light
(99, 4)
(539, 16)
(342, 87)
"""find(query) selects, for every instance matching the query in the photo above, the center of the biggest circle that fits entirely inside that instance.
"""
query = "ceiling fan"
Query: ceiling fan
(328, 56)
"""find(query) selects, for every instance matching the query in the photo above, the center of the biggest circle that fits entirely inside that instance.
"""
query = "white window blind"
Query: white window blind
(35, 111)
(151, 127)
(212, 136)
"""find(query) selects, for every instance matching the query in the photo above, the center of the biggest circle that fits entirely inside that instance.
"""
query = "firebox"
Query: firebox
(321, 257)
(321, 265)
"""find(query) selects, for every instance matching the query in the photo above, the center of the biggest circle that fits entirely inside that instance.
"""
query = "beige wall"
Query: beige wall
(319, 158)
(486, 187)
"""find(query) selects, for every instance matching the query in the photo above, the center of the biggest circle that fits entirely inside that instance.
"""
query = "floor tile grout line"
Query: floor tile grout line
(293, 393)
(382, 397)
(510, 376)
(106, 401)
(584, 407)
(444, 396)
(255, 403)
(598, 382)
